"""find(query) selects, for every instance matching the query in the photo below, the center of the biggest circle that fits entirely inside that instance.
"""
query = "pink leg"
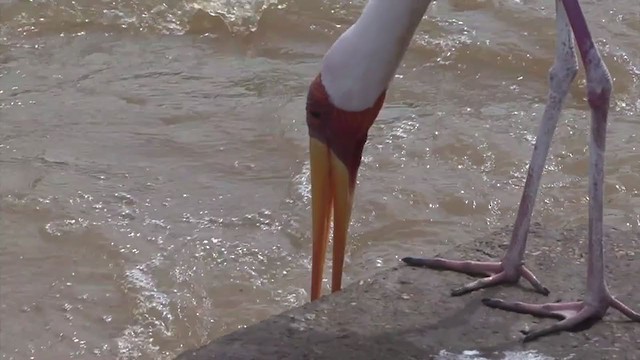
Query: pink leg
(511, 267)
(598, 298)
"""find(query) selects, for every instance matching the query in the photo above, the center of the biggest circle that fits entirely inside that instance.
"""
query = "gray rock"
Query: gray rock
(407, 313)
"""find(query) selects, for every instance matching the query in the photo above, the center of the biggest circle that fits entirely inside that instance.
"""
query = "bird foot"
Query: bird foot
(497, 273)
(570, 314)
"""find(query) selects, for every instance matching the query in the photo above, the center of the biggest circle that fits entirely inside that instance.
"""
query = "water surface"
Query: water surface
(154, 188)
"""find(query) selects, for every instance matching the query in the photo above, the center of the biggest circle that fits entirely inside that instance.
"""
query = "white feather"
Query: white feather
(364, 59)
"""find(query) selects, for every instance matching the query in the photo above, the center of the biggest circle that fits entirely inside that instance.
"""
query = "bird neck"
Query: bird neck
(360, 65)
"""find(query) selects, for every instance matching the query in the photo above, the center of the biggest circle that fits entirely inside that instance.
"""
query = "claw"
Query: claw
(496, 273)
(490, 281)
(564, 325)
(570, 314)
(533, 280)
(624, 309)
(473, 268)
(559, 311)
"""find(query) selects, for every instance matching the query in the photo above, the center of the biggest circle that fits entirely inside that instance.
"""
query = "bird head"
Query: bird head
(336, 140)
(342, 103)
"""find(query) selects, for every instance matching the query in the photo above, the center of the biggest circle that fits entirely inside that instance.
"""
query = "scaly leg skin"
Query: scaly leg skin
(511, 268)
(598, 298)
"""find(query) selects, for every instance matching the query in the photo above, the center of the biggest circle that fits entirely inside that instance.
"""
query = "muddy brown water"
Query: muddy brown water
(154, 189)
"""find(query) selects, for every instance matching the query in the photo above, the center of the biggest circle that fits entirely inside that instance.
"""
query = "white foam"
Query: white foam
(152, 314)
(506, 355)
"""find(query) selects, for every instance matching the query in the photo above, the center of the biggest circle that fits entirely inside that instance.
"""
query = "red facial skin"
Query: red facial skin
(344, 132)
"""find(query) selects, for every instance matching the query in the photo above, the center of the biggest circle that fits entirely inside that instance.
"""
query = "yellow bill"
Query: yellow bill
(332, 194)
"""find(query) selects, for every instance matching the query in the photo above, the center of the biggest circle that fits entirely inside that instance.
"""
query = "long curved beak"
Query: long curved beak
(332, 187)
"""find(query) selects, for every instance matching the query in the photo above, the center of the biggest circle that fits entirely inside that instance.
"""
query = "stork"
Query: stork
(344, 100)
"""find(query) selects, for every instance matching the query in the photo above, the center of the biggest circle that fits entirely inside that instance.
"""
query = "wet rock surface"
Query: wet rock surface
(407, 313)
